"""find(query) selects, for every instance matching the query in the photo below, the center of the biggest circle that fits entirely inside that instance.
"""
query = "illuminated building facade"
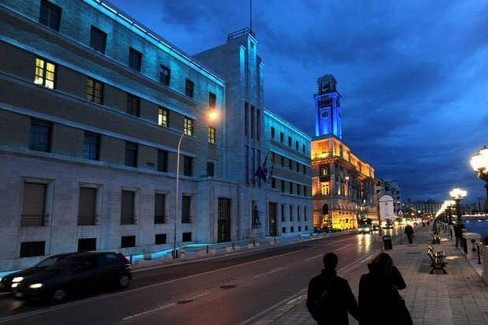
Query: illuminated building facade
(343, 186)
(93, 106)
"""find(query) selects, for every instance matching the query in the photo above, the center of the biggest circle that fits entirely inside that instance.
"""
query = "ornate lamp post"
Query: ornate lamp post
(458, 195)
(479, 162)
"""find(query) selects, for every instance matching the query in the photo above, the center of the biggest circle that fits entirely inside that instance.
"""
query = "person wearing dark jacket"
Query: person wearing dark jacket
(379, 302)
(410, 233)
(340, 299)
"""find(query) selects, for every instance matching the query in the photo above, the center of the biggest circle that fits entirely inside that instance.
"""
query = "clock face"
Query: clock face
(325, 113)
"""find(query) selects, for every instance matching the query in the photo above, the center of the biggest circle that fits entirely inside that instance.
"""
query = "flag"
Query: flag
(262, 171)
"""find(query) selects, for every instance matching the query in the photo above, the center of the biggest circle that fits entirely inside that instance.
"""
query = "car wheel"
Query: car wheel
(59, 295)
(124, 281)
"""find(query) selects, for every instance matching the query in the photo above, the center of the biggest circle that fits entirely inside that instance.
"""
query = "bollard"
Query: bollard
(130, 259)
(233, 247)
(207, 249)
(254, 243)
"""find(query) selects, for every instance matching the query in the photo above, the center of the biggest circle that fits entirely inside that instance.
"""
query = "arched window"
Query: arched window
(325, 209)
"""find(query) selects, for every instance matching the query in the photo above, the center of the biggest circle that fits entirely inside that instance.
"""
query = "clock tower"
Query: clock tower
(327, 108)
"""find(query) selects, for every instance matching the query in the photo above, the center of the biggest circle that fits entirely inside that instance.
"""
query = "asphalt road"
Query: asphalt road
(224, 290)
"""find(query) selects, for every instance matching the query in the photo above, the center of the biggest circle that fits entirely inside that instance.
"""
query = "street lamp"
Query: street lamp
(479, 162)
(213, 115)
(458, 195)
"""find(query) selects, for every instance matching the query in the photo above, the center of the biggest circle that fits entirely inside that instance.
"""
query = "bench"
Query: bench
(437, 258)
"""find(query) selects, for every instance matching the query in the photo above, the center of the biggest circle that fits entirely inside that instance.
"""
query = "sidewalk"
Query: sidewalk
(459, 297)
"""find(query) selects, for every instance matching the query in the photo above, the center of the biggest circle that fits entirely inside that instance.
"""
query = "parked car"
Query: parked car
(73, 274)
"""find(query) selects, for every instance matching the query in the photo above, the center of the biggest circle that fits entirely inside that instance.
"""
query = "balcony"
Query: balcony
(87, 220)
(34, 220)
(128, 220)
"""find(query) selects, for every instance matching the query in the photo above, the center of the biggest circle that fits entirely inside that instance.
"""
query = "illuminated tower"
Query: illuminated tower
(328, 108)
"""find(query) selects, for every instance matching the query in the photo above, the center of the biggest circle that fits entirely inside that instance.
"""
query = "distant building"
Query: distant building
(343, 186)
(390, 187)
(93, 108)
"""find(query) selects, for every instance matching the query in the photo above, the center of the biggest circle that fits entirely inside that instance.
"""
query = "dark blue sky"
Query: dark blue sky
(413, 74)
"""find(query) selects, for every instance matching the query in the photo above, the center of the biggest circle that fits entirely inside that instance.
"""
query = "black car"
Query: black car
(6, 281)
(73, 274)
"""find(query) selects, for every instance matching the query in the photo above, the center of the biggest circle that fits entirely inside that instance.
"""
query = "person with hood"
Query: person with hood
(330, 298)
(379, 302)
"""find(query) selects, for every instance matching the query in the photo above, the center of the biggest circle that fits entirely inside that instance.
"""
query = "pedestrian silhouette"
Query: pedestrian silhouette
(458, 232)
(330, 298)
(379, 300)
(410, 233)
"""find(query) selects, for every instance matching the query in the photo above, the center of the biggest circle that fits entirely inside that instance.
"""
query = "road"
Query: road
(223, 290)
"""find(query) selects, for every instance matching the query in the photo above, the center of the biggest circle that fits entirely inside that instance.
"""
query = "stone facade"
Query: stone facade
(90, 122)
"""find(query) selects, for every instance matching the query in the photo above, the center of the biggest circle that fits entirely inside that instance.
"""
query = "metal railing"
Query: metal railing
(34, 220)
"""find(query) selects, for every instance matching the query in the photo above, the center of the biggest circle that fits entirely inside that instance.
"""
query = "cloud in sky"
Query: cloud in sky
(412, 74)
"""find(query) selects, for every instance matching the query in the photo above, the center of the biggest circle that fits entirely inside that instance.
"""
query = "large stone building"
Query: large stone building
(96, 110)
(343, 186)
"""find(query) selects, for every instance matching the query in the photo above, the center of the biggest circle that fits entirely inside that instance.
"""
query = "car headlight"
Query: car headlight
(35, 285)
(17, 279)
(14, 285)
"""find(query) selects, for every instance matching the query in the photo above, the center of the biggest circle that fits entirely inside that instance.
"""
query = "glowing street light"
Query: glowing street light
(212, 115)
(458, 195)
(479, 162)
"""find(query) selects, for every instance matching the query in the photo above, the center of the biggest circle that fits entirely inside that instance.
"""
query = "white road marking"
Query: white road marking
(150, 311)
(267, 273)
(322, 255)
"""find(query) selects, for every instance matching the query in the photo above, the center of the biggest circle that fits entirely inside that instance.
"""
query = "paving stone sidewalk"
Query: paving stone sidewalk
(459, 297)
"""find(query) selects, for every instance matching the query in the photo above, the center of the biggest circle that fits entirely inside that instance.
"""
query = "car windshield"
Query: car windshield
(65, 263)
(48, 261)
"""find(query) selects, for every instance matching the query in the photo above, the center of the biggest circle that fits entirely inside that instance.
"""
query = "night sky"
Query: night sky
(413, 74)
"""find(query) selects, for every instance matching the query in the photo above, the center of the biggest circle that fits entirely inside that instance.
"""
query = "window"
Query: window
(163, 117)
(282, 161)
(133, 105)
(305, 215)
(298, 213)
(91, 149)
(291, 212)
(50, 15)
(32, 248)
(283, 230)
(258, 124)
(87, 244)
(40, 135)
(212, 100)
(187, 166)
(292, 229)
(185, 209)
(253, 109)
(87, 206)
(135, 59)
(45, 74)
(127, 241)
(282, 213)
(162, 161)
(164, 75)
(282, 137)
(211, 135)
(246, 119)
(130, 154)
(159, 239)
(299, 188)
(303, 148)
(282, 186)
(127, 204)
(186, 236)
(291, 188)
(289, 141)
(290, 164)
(189, 87)
(34, 205)
(188, 126)
(296, 145)
(98, 39)
(304, 170)
(159, 208)
(272, 132)
(94, 91)
(273, 182)
(297, 165)
(210, 169)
